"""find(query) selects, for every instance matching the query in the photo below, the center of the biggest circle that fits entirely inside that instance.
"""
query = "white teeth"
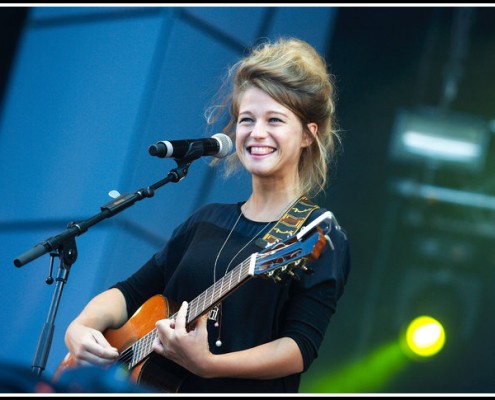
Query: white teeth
(261, 150)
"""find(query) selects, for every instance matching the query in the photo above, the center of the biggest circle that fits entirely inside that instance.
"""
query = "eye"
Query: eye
(275, 120)
(245, 120)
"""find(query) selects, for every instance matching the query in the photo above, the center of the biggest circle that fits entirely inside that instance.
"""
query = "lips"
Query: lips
(260, 150)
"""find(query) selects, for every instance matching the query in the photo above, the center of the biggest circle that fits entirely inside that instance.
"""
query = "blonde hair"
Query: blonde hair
(295, 75)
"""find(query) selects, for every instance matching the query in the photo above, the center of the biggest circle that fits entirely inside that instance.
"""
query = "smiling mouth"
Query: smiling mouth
(260, 150)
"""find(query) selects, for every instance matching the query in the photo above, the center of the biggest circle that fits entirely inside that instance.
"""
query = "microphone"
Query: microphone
(219, 145)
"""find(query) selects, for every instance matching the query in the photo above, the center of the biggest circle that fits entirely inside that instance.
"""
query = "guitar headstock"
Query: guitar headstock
(295, 251)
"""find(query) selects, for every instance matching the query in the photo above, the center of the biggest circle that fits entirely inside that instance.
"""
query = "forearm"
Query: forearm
(106, 310)
(84, 335)
(276, 359)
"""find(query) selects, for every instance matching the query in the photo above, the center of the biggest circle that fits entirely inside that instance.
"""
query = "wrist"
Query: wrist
(209, 367)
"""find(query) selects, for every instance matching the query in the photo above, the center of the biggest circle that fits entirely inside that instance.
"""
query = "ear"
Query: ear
(309, 139)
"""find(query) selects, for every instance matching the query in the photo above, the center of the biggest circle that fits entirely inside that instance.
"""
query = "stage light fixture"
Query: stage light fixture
(423, 338)
(439, 138)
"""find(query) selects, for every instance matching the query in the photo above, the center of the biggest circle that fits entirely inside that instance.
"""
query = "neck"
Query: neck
(268, 207)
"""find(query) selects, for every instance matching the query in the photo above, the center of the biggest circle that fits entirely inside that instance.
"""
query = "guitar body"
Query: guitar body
(155, 371)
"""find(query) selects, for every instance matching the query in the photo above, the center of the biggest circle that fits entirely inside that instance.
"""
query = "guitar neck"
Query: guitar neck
(196, 308)
(220, 289)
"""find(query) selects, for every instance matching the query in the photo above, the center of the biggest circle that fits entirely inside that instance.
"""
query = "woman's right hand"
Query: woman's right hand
(84, 337)
(88, 346)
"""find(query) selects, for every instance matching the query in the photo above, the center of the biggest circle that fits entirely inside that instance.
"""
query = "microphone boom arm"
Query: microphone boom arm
(108, 210)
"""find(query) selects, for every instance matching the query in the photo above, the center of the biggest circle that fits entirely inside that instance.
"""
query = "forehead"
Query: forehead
(254, 99)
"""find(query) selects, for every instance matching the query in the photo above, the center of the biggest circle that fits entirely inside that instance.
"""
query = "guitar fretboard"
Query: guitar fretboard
(197, 307)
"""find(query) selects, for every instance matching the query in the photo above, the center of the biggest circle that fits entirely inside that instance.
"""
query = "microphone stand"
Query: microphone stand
(64, 247)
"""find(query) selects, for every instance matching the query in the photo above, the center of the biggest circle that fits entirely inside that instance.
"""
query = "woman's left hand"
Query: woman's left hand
(189, 349)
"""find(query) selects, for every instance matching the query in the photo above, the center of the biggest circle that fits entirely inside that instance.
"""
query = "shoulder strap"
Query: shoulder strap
(290, 222)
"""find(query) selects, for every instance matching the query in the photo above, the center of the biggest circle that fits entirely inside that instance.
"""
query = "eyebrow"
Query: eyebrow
(267, 113)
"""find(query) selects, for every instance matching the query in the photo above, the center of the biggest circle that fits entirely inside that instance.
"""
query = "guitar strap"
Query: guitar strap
(286, 226)
(289, 223)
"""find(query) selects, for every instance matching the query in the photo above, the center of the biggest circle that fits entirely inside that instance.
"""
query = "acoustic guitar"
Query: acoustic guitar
(134, 339)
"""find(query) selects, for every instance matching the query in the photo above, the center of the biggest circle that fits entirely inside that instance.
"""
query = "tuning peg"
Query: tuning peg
(291, 273)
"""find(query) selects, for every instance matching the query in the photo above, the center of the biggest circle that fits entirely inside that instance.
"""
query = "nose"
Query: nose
(259, 131)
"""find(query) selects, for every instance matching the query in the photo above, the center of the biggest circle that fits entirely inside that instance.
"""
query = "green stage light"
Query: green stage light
(373, 372)
(423, 338)
(369, 374)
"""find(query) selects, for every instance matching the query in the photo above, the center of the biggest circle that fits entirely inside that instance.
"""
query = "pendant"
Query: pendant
(213, 313)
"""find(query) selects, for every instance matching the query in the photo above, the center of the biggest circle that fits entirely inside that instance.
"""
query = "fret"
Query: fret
(134, 360)
(192, 310)
(220, 283)
(245, 265)
(137, 352)
(230, 280)
(239, 278)
(205, 297)
(215, 293)
(143, 347)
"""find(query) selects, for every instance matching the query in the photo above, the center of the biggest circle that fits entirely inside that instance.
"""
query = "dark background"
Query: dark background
(11, 23)
(385, 59)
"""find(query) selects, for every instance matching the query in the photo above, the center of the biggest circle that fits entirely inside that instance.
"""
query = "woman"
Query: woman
(264, 335)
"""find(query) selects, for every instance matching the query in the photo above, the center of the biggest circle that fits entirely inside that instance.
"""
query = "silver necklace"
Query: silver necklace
(243, 247)
(216, 313)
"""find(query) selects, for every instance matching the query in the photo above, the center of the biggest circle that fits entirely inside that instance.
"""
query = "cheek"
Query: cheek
(240, 138)
(239, 143)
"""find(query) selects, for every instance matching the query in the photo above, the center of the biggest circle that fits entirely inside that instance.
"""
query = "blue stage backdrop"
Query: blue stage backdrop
(90, 90)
